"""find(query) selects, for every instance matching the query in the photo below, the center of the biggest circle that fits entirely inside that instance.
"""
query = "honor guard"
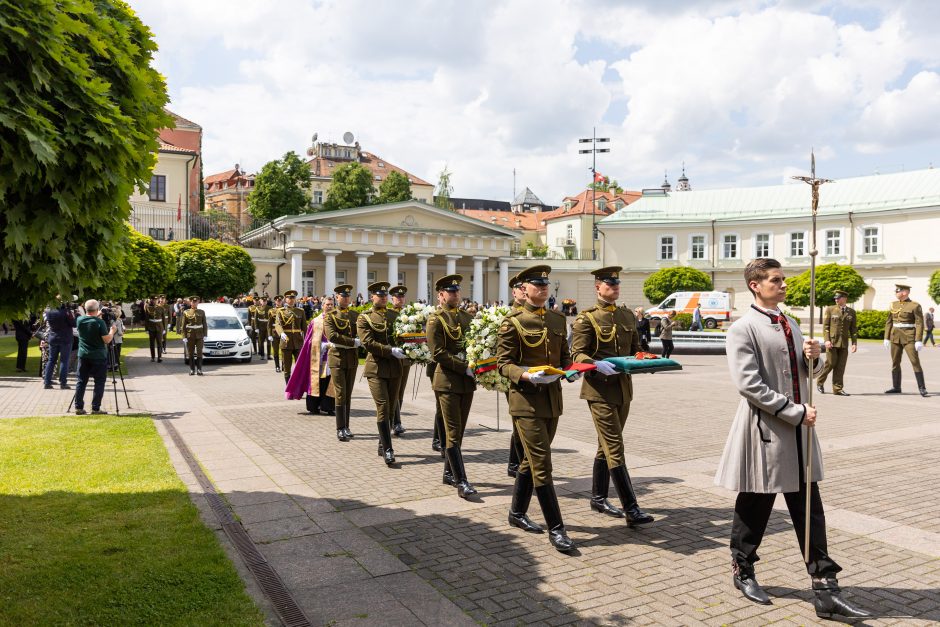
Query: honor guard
(534, 336)
(339, 326)
(262, 328)
(839, 330)
(903, 332)
(606, 330)
(515, 446)
(383, 364)
(165, 309)
(194, 333)
(290, 324)
(252, 320)
(397, 297)
(275, 343)
(153, 322)
(453, 381)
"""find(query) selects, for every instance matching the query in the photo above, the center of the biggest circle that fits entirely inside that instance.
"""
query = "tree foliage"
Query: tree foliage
(395, 188)
(933, 288)
(209, 269)
(351, 187)
(282, 188)
(871, 323)
(607, 185)
(829, 278)
(444, 190)
(156, 271)
(80, 106)
(664, 282)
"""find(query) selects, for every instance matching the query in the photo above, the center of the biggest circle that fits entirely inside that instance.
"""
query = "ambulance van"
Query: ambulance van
(716, 306)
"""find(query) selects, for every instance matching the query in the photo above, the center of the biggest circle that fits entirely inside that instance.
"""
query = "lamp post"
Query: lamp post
(266, 283)
(593, 150)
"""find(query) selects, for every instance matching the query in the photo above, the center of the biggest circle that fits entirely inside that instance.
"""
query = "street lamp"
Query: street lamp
(593, 150)
(266, 283)
(557, 285)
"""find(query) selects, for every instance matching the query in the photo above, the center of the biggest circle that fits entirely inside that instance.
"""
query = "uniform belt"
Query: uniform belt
(156, 320)
(904, 325)
(195, 326)
(291, 330)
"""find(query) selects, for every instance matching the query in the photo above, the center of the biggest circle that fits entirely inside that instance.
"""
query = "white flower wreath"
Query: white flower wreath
(411, 332)
(480, 343)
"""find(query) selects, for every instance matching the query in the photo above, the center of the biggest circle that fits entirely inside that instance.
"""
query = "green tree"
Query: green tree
(117, 273)
(933, 288)
(351, 187)
(395, 188)
(829, 278)
(444, 190)
(209, 269)
(282, 188)
(607, 185)
(80, 106)
(156, 268)
(664, 282)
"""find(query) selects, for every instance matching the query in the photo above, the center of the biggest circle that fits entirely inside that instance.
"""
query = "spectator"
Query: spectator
(697, 319)
(551, 302)
(928, 327)
(93, 338)
(118, 340)
(665, 335)
(60, 321)
(643, 329)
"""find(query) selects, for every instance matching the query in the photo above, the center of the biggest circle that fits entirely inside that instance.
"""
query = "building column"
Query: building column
(329, 275)
(423, 276)
(296, 266)
(478, 279)
(504, 280)
(362, 272)
(393, 267)
(452, 263)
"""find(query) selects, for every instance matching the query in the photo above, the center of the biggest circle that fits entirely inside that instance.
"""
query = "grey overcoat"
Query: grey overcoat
(761, 453)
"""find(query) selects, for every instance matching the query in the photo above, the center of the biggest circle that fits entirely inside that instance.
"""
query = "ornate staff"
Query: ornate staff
(808, 475)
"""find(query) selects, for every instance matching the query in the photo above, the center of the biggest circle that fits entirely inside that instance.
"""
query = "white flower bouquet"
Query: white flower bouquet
(411, 332)
(480, 343)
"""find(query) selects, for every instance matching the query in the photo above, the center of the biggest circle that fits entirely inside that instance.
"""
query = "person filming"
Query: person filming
(93, 339)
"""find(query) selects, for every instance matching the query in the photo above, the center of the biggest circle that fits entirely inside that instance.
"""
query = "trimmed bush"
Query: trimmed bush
(871, 324)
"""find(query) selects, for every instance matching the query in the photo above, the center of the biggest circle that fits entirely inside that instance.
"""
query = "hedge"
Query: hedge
(871, 323)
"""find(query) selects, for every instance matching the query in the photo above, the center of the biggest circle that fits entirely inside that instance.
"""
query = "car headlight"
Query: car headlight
(245, 342)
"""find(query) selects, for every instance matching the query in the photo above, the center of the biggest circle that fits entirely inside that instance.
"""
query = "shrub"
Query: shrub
(792, 315)
(933, 288)
(871, 324)
(664, 282)
(683, 322)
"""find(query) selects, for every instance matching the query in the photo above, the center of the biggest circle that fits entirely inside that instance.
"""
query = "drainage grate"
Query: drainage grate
(271, 584)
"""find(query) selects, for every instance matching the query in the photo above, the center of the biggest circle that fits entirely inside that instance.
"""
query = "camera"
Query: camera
(107, 315)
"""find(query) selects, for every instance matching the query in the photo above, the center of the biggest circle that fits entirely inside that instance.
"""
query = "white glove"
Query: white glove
(270, 339)
(540, 378)
(284, 336)
(605, 368)
(357, 342)
(574, 377)
(398, 353)
(330, 345)
(887, 343)
(470, 372)
(918, 346)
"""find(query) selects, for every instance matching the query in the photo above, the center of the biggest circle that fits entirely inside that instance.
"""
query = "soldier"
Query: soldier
(166, 318)
(534, 336)
(383, 364)
(275, 344)
(397, 296)
(261, 328)
(339, 326)
(839, 328)
(252, 320)
(903, 330)
(194, 332)
(453, 382)
(606, 330)
(515, 446)
(153, 322)
(290, 324)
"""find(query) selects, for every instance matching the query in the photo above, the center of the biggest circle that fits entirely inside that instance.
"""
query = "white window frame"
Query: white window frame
(841, 233)
(805, 252)
(659, 247)
(880, 240)
(737, 245)
(704, 237)
(770, 245)
(317, 197)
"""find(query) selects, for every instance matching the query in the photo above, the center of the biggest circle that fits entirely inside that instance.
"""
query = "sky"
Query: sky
(739, 91)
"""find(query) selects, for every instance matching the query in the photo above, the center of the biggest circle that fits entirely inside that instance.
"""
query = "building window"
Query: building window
(729, 247)
(341, 277)
(667, 247)
(317, 197)
(569, 233)
(761, 245)
(697, 247)
(158, 234)
(833, 242)
(401, 278)
(372, 277)
(157, 189)
(797, 244)
(871, 240)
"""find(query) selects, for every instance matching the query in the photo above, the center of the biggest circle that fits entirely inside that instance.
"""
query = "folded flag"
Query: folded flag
(632, 365)
(546, 370)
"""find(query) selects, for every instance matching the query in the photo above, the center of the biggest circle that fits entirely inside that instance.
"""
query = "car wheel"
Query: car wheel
(710, 323)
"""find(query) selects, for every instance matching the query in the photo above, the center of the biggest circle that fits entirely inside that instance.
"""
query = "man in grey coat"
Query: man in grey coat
(769, 363)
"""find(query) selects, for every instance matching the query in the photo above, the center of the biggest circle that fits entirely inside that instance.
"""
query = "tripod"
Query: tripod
(112, 361)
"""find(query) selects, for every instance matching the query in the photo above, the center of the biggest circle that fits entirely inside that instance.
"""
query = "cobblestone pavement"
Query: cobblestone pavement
(361, 544)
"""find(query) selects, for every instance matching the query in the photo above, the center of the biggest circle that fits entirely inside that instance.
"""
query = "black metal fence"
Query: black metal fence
(167, 223)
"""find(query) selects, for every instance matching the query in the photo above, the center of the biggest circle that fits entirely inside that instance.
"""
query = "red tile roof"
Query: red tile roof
(324, 166)
(221, 176)
(525, 221)
(165, 147)
(531, 221)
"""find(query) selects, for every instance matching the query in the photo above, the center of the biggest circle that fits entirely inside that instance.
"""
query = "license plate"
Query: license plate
(216, 353)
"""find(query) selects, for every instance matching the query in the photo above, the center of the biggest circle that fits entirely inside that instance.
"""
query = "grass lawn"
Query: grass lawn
(96, 528)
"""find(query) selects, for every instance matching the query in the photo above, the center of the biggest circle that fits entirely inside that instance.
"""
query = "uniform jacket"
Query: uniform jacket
(252, 316)
(446, 331)
(375, 333)
(272, 314)
(290, 321)
(904, 312)
(532, 337)
(194, 324)
(153, 318)
(761, 453)
(840, 327)
(261, 321)
(60, 322)
(605, 331)
(340, 327)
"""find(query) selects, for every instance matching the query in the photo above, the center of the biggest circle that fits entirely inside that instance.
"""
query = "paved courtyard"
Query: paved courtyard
(359, 544)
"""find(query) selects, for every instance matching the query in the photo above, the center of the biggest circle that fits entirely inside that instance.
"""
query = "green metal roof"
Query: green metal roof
(903, 190)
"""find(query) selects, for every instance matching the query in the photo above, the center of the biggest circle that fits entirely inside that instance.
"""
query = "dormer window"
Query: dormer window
(378, 178)
(381, 165)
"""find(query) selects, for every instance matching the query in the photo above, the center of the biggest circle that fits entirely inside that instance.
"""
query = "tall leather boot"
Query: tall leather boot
(895, 382)
(277, 362)
(521, 496)
(829, 602)
(455, 461)
(341, 423)
(599, 489)
(513, 467)
(635, 516)
(441, 431)
(436, 437)
(385, 437)
(397, 429)
(921, 386)
(448, 478)
(557, 535)
(199, 364)
(346, 409)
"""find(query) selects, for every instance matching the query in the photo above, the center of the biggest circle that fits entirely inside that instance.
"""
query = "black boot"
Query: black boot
(192, 369)
(745, 581)
(441, 431)
(921, 386)
(455, 461)
(895, 382)
(557, 535)
(312, 403)
(829, 603)
(513, 467)
(340, 424)
(599, 488)
(521, 495)
(385, 438)
(346, 409)
(397, 429)
(635, 516)
(199, 365)
(448, 478)
(277, 363)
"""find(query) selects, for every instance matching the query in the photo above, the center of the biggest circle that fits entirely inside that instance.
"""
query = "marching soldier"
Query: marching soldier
(153, 322)
(606, 330)
(194, 332)
(252, 320)
(839, 328)
(261, 328)
(515, 446)
(339, 326)
(453, 382)
(383, 364)
(290, 324)
(397, 296)
(275, 344)
(903, 331)
(165, 310)
(534, 336)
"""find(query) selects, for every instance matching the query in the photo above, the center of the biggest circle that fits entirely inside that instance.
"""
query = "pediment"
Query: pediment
(406, 217)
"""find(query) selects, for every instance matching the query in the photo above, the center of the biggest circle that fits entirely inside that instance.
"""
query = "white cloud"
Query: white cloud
(902, 116)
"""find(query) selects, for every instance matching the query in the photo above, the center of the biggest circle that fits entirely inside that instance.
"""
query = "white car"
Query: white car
(226, 337)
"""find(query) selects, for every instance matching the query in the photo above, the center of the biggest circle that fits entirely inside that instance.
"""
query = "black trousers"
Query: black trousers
(668, 347)
(751, 513)
(21, 347)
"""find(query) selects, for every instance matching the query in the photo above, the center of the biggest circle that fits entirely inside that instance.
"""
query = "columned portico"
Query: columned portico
(393, 267)
(504, 279)
(478, 279)
(452, 263)
(362, 272)
(329, 277)
(296, 266)
(423, 275)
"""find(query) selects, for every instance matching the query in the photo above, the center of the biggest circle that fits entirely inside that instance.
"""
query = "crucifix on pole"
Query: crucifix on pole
(593, 150)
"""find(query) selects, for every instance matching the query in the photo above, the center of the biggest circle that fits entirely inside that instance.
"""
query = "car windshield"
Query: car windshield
(242, 315)
(224, 322)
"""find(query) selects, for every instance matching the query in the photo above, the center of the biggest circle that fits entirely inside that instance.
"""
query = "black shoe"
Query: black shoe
(521, 496)
(455, 462)
(98, 412)
(341, 435)
(746, 582)
(893, 391)
(160, 360)
(635, 516)
(821, 389)
(21, 369)
(47, 386)
(603, 506)
(389, 457)
(349, 434)
(192, 372)
(435, 445)
(921, 386)
(512, 469)
(841, 393)
(398, 430)
(385, 443)
(829, 603)
(522, 521)
(65, 386)
(80, 412)
(557, 535)
(199, 371)
(277, 368)
(600, 483)
(448, 478)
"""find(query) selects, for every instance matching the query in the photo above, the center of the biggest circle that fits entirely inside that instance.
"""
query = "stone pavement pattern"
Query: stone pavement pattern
(361, 544)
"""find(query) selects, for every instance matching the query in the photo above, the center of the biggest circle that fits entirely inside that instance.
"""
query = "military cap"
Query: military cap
(343, 290)
(610, 274)
(536, 275)
(841, 294)
(898, 287)
(514, 281)
(379, 288)
(290, 294)
(449, 283)
(398, 290)
(194, 298)
(278, 297)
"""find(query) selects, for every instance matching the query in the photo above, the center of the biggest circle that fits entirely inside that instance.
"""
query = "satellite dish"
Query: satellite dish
(348, 137)
(314, 138)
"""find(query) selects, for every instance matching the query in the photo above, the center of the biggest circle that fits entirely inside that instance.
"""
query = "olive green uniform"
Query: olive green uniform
(275, 341)
(290, 322)
(166, 323)
(841, 328)
(153, 322)
(194, 330)
(382, 369)
(905, 325)
(252, 324)
(453, 388)
(262, 330)
(339, 326)
(515, 446)
(405, 372)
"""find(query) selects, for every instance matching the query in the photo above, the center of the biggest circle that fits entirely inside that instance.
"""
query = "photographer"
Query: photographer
(93, 337)
(59, 321)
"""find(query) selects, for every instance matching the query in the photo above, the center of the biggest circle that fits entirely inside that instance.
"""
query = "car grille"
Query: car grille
(215, 346)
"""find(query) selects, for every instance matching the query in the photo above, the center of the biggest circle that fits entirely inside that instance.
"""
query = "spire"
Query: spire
(666, 185)
(683, 185)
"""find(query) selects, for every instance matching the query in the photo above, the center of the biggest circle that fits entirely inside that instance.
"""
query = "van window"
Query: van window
(669, 303)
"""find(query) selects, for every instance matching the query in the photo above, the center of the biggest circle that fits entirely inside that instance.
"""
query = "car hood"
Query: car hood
(220, 335)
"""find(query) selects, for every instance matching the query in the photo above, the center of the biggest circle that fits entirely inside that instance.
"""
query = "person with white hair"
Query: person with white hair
(93, 339)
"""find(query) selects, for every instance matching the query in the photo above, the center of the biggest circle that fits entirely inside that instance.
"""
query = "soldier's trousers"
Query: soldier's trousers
(609, 421)
(264, 344)
(536, 435)
(194, 349)
(287, 359)
(156, 339)
(897, 349)
(456, 411)
(836, 359)
(276, 351)
(343, 381)
(385, 395)
(405, 371)
(254, 341)
(515, 446)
